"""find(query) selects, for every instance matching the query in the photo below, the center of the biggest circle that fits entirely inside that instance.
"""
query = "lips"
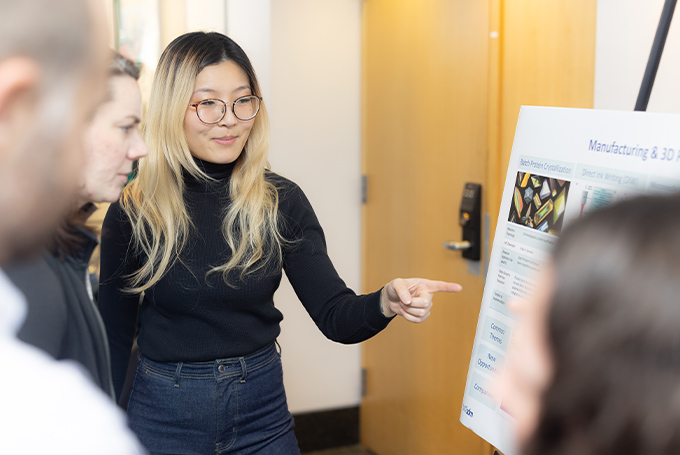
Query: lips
(225, 140)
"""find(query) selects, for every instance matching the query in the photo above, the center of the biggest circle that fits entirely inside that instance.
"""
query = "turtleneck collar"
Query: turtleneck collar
(220, 172)
(214, 170)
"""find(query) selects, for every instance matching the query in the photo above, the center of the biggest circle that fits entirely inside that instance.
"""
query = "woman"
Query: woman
(205, 232)
(595, 366)
(62, 318)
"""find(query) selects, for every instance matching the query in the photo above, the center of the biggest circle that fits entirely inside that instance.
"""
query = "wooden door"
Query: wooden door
(443, 81)
(425, 66)
(544, 56)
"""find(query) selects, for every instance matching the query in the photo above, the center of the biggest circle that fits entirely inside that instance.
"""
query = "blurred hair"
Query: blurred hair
(30, 29)
(154, 200)
(122, 66)
(59, 46)
(59, 36)
(614, 330)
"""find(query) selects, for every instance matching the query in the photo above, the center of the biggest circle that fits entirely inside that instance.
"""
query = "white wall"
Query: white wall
(316, 141)
(249, 23)
(625, 32)
(306, 54)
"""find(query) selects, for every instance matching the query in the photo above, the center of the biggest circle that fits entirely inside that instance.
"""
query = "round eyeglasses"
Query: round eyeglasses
(213, 110)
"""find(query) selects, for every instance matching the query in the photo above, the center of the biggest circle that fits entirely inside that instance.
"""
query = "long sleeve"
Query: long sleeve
(118, 309)
(340, 313)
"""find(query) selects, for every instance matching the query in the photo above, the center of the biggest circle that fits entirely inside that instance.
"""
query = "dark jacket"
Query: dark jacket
(62, 319)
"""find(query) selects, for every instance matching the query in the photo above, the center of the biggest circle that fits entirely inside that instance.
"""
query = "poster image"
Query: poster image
(539, 202)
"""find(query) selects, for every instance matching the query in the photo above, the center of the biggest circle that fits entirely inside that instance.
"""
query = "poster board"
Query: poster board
(564, 164)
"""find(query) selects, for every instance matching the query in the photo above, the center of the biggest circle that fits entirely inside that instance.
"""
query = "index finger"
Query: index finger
(440, 286)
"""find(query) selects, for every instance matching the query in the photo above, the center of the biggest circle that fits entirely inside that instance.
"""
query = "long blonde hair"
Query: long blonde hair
(154, 200)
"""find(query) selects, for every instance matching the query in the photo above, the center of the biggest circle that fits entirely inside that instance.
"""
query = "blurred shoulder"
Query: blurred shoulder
(75, 416)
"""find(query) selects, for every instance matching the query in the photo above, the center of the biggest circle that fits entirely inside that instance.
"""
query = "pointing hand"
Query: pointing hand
(411, 298)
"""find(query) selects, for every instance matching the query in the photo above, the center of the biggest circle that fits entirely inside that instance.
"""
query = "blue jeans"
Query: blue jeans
(228, 406)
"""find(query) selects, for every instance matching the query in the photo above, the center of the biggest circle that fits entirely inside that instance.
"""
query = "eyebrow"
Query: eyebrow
(204, 90)
(133, 118)
(209, 90)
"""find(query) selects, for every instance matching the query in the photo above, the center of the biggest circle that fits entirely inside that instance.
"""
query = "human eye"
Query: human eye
(207, 103)
(244, 100)
(129, 127)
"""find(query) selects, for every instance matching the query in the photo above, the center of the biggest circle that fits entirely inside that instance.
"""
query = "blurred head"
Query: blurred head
(612, 335)
(195, 67)
(51, 80)
(112, 140)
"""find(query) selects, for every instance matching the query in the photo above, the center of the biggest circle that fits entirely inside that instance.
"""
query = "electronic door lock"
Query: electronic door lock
(470, 219)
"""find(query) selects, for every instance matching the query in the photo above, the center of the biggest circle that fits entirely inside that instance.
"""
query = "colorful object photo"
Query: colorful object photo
(538, 202)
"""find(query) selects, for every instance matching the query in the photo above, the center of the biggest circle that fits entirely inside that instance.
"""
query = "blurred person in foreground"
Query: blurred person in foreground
(51, 79)
(594, 367)
(62, 318)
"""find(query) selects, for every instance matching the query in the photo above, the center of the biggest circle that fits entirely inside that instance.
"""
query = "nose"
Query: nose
(137, 148)
(229, 118)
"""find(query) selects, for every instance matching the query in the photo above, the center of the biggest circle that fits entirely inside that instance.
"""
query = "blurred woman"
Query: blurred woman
(62, 317)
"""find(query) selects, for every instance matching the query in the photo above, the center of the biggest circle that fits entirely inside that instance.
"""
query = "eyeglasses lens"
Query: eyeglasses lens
(212, 111)
(246, 108)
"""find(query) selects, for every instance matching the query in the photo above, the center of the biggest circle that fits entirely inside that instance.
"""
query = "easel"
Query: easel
(655, 55)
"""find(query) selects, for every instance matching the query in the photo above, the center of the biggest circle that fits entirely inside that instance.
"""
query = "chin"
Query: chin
(111, 197)
(221, 157)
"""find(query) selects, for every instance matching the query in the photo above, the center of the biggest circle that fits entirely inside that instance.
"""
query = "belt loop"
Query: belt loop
(177, 373)
(244, 369)
(278, 347)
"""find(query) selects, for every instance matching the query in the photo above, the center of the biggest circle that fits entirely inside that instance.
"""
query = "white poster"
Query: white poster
(564, 163)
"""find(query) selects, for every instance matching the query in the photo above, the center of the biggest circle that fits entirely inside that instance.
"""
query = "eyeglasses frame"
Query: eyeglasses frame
(233, 111)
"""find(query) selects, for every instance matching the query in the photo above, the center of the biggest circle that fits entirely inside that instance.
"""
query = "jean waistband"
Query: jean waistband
(215, 369)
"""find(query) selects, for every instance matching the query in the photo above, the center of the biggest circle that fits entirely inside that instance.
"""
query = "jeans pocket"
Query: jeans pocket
(149, 371)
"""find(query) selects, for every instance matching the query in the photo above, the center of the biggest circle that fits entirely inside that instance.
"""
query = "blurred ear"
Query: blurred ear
(19, 79)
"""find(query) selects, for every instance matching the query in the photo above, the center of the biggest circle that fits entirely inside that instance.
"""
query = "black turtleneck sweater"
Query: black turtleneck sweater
(190, 316)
